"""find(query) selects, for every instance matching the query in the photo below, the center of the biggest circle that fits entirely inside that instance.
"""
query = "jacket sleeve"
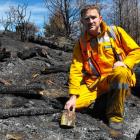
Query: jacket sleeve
(76, 75)
(131, 49)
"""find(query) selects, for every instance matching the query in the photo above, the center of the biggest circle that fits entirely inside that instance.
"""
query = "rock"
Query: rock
(15, 136)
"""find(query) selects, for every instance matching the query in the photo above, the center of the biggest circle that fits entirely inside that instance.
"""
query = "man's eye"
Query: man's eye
(91, 17)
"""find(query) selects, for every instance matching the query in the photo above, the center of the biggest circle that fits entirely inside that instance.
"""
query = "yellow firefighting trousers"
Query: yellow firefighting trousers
(116, 86)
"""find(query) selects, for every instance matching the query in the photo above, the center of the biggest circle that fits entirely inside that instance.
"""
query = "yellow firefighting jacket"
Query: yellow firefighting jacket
(102, 54)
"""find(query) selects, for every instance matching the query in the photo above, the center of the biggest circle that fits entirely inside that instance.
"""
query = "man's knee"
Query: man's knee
(121, 74)
(120, 78)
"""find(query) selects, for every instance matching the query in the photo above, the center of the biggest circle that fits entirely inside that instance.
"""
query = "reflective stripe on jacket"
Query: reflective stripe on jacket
(101, 55)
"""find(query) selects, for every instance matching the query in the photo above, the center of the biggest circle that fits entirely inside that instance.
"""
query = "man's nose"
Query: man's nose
(90, 20)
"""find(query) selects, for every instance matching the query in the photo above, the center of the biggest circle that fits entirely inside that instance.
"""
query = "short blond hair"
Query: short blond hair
(87, 7)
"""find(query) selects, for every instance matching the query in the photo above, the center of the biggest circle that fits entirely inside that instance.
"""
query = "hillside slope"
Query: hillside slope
(23, 117)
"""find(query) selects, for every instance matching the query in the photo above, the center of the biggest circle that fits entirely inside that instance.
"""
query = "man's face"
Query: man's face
(91, 21)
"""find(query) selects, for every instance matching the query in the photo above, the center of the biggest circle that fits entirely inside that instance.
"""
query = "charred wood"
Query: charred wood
(32, 52)
(56, 69)
(26, 54)
(36, 53)
(28, 90)
(6, 113)
(48, 61)
(4, 54)
(51, 44)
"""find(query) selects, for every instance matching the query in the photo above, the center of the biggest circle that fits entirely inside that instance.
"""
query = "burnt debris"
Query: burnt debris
(16, 112)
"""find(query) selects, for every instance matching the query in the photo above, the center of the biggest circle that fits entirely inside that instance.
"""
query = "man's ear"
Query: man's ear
(101, 19)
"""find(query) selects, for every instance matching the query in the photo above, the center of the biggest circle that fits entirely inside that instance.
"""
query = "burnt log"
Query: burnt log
(6, 113)
(26, 54)
(56, 69)
(28, 90)
(4, 54)
(32, 52)
(51, 44)
(36, 52)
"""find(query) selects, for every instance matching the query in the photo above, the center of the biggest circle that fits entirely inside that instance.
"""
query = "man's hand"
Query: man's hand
(71, 103)
(119, 64)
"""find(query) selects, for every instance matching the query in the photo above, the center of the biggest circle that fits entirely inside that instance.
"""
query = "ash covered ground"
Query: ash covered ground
(33, 117)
